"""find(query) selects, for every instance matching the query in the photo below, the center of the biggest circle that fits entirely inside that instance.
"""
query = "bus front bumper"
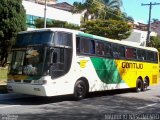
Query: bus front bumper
(37, 90)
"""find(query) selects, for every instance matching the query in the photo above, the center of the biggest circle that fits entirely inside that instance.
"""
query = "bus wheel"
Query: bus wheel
(80, 90)
(139, 85)
(145, 84)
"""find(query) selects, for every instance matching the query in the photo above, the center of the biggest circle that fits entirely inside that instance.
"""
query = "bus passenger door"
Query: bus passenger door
(61, 59)
(57, 63)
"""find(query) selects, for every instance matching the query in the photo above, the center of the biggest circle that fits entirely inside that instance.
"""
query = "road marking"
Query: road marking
(150, 105)
(9, 106)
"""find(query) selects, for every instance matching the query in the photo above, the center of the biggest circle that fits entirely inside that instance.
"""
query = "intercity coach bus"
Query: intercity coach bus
(58, 61)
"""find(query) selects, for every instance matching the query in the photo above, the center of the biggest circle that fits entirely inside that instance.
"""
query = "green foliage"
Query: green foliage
(13, 20)
(155, 20)
(108, 28)
(90, 8)
(99, 9)
(113, 4)
(101, 17)
(3, 74)
(39, 23)
(155, 42)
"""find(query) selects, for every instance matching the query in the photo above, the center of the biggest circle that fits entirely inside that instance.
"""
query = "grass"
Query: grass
(3, 75)
(3, 80)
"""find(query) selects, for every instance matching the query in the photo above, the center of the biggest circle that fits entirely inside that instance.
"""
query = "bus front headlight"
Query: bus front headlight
(44, 82)
(40, 82)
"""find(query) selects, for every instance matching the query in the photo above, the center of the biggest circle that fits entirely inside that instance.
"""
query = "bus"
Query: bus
(59, 61)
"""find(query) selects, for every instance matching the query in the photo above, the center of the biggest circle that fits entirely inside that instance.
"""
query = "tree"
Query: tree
(90, 8)
(155, 20)
(113, 4)
(55, 23)
(101, 9)
(155, 42)
(127, 18)
(13, 20)
(113, 29)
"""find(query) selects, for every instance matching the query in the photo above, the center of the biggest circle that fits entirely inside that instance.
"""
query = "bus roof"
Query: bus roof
(80, 33)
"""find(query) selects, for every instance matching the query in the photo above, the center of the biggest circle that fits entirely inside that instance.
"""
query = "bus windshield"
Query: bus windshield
(28, 62)
(32, 38)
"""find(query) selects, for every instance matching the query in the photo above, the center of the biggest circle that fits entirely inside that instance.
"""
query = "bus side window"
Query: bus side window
(155, 57)
(115, 49)
(91, 46)
(64, 39)
(100, 49)
(122, 51)
(108, 50)
(130, 53)
(78, 45)
(150, 56)
(84, 46)
(141, 54)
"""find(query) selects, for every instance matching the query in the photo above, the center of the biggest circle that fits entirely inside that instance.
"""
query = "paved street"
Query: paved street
(123, 104)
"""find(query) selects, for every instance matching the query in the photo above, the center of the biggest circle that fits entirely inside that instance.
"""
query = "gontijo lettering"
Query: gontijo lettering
(132, 65)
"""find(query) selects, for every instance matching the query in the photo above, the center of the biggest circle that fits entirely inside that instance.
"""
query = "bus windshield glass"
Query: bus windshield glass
(28, 62)
(32, 38)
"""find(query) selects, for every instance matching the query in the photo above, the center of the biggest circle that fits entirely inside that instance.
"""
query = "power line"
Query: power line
(149, 22)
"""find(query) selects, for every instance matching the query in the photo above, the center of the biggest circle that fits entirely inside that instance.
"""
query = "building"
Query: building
(43, 1)
(139, 34)
(140, 26)
(35, 10)
(63, 6)
(155, 26)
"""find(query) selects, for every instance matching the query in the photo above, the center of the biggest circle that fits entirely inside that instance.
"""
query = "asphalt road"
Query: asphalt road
(115, 105)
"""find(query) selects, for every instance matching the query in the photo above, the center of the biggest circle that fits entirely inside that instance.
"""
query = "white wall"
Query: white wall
(52, 13)
(139, 37)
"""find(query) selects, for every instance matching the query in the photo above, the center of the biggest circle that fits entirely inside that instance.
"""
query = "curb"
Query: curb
(3, 89)
(12, 96)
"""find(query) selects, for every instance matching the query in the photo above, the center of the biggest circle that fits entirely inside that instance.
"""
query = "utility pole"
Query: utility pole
(45, 9)
(149, 21)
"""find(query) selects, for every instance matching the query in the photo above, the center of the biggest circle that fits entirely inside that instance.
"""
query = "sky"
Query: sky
(134, 9)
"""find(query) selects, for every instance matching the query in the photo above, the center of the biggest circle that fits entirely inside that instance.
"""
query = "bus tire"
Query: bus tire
(139, 86)
(80, 90)
(145, 84)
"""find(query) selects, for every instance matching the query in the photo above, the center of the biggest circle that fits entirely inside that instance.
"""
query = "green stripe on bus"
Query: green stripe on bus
(106, 70)
(91, 36)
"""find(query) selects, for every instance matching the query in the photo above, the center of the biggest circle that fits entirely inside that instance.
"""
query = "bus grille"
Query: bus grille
(27, 81)
(18, 81)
